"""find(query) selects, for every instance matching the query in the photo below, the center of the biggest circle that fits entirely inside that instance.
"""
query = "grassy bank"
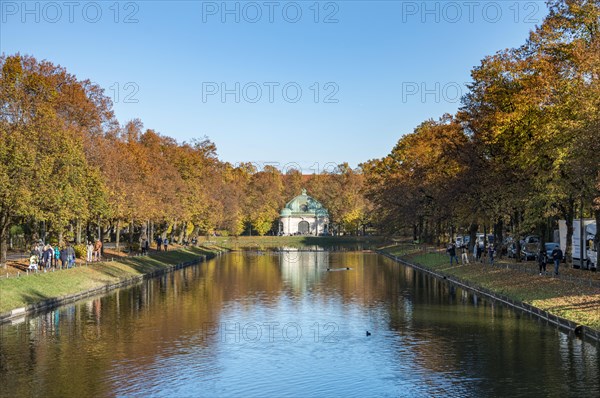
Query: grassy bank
(33, 288)
(573, 299)
(266, 242)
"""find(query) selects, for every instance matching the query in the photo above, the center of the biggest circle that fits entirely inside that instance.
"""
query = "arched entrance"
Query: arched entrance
(303, 227)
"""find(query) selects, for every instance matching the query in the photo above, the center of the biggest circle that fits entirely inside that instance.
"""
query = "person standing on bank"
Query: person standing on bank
(56, 256)
(97, 250)
(464, 257)
(64, 258)
(491, 253)
(70, 256)
(89, 252)
(557, 255)
(479, 252)
(542, 260)
(166, 244)
(452, 252)
(158, 243)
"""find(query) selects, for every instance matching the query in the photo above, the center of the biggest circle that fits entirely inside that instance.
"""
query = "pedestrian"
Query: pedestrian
(47, 255)
(465, 255)
(70, 256)
(64, 260)
(89, 251)
(56, 256)
(479, 252)
(166, 244)
(491, 252)
(39, 250)
(451, 250)
(542, 260)
(145, 246)
(33, 261)
(97, 250)
(158, 243)
(557, 256)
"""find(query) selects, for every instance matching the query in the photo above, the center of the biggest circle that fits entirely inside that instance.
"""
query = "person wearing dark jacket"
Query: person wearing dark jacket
(47, 256)
(542, 260)
(70, 256)
(557, 255)
(63, 258)
(452, 252)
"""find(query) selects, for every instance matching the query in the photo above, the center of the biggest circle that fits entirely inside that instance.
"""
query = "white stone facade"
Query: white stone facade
(304, 215)
(291, 225)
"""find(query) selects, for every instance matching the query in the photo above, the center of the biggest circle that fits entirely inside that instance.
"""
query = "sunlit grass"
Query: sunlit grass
(29, 289)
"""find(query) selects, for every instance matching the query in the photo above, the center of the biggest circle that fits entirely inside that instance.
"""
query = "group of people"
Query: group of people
(160, 242)
(557, 257)
(93, 251)
(45, 256)
(477, 253)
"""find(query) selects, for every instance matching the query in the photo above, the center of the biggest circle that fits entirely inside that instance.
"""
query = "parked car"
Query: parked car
(530, 240)
(479, 240)
(460, 241)
(511, 250)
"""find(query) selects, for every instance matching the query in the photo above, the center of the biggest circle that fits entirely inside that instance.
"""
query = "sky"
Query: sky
(304, 84)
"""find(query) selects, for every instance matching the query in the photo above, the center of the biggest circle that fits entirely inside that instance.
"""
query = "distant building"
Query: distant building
(304, 215)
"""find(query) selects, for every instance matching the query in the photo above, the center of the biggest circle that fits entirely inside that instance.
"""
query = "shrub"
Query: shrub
(80, 250)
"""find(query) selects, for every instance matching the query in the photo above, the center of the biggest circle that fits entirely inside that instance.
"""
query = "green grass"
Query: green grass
(266, 242)
(33, 288)
(570, 300)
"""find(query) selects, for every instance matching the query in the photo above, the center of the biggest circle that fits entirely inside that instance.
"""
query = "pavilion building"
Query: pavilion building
(304, 215)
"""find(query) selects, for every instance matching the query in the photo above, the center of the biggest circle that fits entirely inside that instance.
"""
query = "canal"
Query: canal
(276, 324)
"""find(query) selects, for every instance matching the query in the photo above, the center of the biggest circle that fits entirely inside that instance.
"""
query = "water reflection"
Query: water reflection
(292, 322)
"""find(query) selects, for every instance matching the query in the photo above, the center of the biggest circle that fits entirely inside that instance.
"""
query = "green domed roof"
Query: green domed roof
(304, 205)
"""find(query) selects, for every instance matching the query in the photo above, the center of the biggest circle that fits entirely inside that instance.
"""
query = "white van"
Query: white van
(586, 257)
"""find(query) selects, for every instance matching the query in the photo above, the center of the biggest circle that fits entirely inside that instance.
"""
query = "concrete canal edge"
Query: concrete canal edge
(561, 323)
(54, 302)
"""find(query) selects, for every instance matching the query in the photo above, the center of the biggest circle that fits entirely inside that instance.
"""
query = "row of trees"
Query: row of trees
(69, 170)
(522, 151)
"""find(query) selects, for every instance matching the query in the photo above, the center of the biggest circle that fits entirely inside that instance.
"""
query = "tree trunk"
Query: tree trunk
(182, 232)
(130, 235)
(118, 235)
(78, 238)
(99, 229)
(472, 235)
(485, 233)
(143, 233)
(100, 236)
(568, 212)
(4, 218)
(517, 235)
(597, 238)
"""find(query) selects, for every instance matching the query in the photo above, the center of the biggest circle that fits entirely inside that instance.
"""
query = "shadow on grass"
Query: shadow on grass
(33, 296)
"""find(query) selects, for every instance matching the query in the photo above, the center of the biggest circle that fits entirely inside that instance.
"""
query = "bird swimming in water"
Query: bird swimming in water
(368, 333)
(348, 268)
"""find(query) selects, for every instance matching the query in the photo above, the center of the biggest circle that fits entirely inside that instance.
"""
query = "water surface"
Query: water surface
(293, 324)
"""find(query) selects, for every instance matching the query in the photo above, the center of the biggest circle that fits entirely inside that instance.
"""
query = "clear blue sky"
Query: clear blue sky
(380, 67)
